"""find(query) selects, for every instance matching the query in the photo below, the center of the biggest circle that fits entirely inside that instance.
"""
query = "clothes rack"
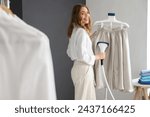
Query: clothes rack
(103, 32)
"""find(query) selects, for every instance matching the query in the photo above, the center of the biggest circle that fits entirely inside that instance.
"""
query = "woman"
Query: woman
(80, 51)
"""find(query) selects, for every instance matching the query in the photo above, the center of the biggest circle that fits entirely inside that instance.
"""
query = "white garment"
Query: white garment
(117, 62)
(80, 51)
(26, 68)
(80, 47)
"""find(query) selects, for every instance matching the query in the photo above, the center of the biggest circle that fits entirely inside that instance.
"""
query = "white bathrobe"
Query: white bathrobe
(26, 68)
(80, 51)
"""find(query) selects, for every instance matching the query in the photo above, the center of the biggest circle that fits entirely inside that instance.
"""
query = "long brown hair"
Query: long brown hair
(76, 20)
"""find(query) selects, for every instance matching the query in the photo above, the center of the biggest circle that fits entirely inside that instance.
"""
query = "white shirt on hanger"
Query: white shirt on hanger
(26, 68)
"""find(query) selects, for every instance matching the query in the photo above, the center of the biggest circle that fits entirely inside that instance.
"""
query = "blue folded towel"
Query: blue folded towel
(145, 77)
(144, 74)
(144, 71)
(144, 82)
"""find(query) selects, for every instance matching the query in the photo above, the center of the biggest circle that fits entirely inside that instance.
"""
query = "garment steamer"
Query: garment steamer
(103, 46)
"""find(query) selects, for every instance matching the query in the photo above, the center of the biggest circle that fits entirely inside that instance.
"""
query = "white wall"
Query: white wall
(133, 12)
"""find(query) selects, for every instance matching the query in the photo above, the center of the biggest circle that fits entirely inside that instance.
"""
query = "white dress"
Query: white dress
(80, 51)
(26, 68)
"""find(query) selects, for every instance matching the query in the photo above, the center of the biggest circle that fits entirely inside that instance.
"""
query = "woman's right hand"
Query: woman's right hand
(100, 56)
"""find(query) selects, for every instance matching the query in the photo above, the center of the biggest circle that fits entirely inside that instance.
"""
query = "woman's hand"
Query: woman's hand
(100, 56)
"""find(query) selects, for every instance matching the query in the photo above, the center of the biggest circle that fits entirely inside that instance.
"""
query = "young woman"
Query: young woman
(80, 51)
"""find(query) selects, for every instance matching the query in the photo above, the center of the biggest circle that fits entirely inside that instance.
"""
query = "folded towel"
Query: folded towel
(145, 74)
(144, 71)
(144, 82)
(145, 77)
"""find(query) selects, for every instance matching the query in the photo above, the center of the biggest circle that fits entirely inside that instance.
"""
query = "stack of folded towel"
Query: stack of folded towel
(144, 77)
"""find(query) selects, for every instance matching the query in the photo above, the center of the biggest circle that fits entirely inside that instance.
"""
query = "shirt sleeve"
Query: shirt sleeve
(68, 50)
(84, 51)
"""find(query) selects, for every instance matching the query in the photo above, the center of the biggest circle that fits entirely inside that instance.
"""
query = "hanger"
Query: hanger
(111, 21)
(4, 7)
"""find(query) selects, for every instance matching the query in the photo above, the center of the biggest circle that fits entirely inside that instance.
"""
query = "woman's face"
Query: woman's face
(84, 15)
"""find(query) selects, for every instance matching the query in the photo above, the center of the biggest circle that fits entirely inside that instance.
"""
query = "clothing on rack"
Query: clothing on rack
(117, 62)
(26, 68)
